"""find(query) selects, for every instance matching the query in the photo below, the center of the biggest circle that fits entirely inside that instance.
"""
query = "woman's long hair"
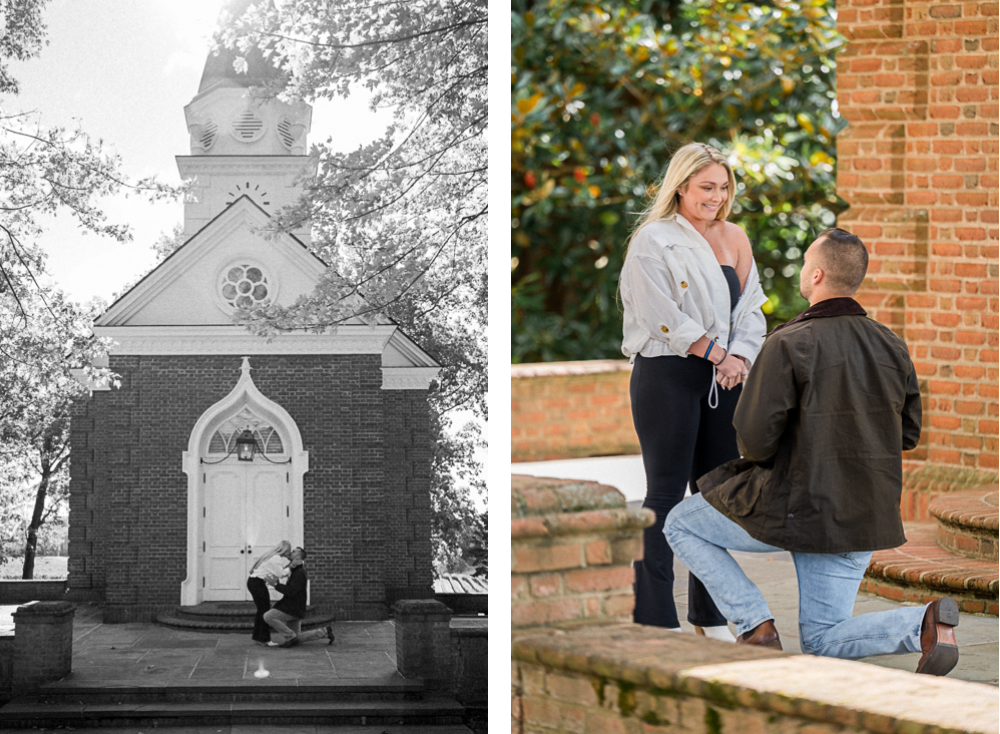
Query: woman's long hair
(282, 547)
(686, 162)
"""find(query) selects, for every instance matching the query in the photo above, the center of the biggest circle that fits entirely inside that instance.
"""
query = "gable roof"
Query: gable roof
(207, 247)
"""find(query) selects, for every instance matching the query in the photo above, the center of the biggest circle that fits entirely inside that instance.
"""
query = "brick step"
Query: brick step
(117, 692)
(429, 712)
(920, 571)
(968, 522)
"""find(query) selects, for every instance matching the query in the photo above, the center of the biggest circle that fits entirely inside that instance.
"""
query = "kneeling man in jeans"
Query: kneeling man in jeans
(286, 616)
(829, 406)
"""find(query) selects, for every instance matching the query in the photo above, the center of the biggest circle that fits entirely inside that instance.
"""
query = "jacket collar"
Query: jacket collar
(696, 238)
(845, 306)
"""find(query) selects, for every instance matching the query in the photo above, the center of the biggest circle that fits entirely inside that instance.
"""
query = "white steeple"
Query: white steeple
(242, 145)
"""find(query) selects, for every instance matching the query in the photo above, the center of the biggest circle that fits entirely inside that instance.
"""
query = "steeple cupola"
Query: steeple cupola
(244, 144)
(225, 119)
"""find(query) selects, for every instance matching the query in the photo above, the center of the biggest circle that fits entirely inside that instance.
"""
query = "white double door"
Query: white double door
(246, 513)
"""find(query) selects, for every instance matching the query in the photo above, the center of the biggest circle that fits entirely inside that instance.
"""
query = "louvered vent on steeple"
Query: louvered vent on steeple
(247, 126)
(208, 134)
(285, 132)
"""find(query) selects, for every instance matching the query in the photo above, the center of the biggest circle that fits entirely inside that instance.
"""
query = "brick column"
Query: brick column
(43, 644)
(572, 547)
(917, 82)
(423, 641)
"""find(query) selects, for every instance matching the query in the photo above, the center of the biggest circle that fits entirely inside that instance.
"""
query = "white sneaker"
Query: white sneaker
(274, 644)
(716, 633)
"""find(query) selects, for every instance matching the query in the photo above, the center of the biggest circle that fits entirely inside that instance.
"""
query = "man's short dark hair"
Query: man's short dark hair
(844, 259)
(302, 552)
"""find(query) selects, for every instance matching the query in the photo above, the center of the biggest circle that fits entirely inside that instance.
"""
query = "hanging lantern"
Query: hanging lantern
(246, 445)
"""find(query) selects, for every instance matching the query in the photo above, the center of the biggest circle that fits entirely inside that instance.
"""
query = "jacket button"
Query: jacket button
(684, 284)
(664, 329)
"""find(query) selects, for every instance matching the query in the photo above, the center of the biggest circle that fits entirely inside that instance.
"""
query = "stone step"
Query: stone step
(968, 522)
(228, 617)
(277, 729)
(290, 691)
(429, 712)
(920, 571)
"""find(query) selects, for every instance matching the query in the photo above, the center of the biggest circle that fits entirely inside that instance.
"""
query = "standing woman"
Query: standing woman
(271, 565)
(692, 325)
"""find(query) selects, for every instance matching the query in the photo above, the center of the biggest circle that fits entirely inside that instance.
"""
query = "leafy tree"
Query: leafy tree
(403, 218)
(603, 93)
(44, 172)
(42, 336)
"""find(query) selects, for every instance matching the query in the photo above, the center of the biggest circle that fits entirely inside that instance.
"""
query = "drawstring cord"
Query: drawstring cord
(713, 392)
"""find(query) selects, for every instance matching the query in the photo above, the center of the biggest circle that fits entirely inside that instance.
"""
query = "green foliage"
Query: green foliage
(602, 94)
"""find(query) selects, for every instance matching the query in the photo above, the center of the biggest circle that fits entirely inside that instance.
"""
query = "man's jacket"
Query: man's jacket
(830, 405)
(294, 600)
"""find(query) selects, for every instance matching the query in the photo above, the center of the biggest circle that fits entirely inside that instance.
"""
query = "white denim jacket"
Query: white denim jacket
(673, 291)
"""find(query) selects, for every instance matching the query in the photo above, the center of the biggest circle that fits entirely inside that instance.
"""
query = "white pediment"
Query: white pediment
(187, 288)
(181, 307)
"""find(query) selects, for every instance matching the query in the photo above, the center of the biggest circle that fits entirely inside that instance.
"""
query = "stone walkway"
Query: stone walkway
(107, 655)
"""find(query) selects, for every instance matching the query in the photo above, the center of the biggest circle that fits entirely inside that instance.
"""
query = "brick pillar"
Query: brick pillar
(917, 83)
(423, 641)
(572, 547)
(43, 644)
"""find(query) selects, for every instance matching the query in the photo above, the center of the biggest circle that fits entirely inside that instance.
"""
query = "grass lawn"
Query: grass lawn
(46, 567)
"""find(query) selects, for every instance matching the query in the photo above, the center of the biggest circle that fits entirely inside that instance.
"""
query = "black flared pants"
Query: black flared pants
(681, 439)
(262, 598)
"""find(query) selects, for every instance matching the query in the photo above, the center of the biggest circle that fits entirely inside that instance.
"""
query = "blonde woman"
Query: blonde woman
(692, 325)
(269, 568)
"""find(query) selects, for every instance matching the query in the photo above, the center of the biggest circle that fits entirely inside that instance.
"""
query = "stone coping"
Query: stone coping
(565, 369)
(852, 694)
(973, 508)
(544, 507)
(547, 495)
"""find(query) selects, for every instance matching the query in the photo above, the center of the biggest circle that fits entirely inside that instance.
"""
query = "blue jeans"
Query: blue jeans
(701, 537)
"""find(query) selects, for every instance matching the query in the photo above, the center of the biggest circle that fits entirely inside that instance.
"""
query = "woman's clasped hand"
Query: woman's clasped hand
(731, 371)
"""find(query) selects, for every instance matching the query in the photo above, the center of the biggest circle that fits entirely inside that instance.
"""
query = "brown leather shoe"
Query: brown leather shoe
(764, 634)
(937, 638)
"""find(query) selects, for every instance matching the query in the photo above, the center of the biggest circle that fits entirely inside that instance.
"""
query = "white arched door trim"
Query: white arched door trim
(244, 394)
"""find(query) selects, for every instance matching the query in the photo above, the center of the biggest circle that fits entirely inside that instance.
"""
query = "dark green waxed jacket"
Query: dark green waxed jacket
(830, 405)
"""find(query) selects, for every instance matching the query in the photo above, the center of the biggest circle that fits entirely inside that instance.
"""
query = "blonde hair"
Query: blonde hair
(687, 162)
(282, 547)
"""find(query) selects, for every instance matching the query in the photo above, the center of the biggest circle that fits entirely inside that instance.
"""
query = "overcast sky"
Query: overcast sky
(125, 70)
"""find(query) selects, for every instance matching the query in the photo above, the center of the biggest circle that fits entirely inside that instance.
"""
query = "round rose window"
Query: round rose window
(244, 286)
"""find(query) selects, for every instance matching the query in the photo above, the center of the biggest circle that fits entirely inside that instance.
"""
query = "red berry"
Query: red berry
(594, 119)
(579, 174)
(530, 179)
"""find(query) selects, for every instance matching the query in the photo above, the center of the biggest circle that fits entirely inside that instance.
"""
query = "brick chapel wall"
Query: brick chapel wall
(129, 512)
(407, 517)
(917, 82)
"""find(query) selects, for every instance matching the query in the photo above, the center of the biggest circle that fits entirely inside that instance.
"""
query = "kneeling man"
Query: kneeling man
(830, 405)
(286, 616)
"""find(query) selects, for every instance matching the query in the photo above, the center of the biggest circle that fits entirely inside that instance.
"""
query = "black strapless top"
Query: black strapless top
(734, 285)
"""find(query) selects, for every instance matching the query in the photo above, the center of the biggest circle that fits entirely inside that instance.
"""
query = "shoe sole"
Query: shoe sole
(941, 661)
(944, 657)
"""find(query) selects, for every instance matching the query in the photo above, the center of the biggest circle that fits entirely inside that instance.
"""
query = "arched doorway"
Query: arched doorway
(239, 509)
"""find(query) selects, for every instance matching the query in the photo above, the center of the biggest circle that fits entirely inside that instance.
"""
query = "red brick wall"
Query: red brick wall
(572, 547)
(918, 165)
(569, 409)
(366, 520)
